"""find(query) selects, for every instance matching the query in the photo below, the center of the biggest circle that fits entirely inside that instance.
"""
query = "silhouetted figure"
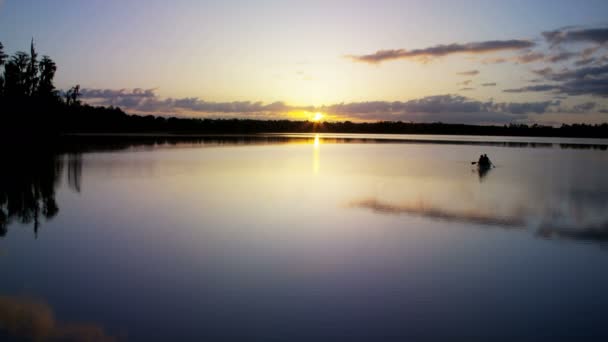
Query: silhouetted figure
(484, 161)
(484, 165)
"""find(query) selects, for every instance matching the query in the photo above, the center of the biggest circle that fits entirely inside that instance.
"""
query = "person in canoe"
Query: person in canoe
(484, 165)
(484, 162)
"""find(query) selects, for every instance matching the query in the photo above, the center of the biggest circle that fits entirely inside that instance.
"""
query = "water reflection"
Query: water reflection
(316, 164)
(113, 142)
(578, 220)
(438, 213)
(27, 186)
(237, 236)
(26, 319)
(482, 172)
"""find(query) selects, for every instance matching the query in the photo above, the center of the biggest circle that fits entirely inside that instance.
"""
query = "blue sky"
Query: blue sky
(276, 59)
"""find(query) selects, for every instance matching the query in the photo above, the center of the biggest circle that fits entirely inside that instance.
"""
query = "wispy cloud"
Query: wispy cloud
(590, 35)
(591, 81)
(494, 60)
(561, 56)
(444, 50)
(543, 72)
(540, 87)
(529, 58)
(584, 107)
(468, 73)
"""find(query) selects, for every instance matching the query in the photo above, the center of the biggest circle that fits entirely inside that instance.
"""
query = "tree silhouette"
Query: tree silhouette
(15, 76)
(72, 96)
(2, 61)
(2, 55)
(47, 73)
(31, 78)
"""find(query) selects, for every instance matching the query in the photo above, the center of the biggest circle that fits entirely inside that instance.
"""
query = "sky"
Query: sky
(482, 62)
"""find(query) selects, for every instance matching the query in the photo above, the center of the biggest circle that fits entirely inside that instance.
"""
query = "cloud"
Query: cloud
(591, 80)
(140, 100)
(468, 73)
(524, 107)
(589, 35)
(443, 50)
(460, 104)
(441, 108)
(594, 87)
(560, 57)
(588, 52)
(580, 108)
(585, 61)
(586, 74)
(543, 72)
(111, 93)
(582, 73)
(584, 107)
(120, 97)
(494, 60)
(586, 57)
(489, 84)
(529, 58)
(539, 88)
(532, 57)
(444, 108)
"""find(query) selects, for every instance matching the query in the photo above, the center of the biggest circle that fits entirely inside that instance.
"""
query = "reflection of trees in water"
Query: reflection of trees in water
(28, 183)
(74, 171)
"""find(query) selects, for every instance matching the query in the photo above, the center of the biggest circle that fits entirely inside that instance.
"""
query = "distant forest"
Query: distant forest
(31, 107)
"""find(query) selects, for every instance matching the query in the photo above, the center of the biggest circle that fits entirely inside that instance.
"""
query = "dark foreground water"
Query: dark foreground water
(304, 238)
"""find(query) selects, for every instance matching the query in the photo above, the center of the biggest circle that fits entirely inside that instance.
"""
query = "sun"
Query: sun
(317, 117)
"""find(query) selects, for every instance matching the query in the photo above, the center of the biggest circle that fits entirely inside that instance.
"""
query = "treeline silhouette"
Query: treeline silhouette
(32, 107)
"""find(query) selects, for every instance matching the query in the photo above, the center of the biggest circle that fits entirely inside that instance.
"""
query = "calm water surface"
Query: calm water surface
(300, 238)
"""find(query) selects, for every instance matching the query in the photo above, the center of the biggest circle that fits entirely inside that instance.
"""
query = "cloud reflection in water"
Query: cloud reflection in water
(555, 222)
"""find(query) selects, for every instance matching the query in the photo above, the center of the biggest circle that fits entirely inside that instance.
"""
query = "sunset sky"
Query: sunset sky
(488, 62)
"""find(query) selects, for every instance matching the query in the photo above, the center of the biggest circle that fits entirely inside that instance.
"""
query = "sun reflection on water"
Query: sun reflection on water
(316, 164)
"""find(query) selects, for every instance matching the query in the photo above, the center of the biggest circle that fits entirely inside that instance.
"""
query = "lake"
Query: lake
(296, 237)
